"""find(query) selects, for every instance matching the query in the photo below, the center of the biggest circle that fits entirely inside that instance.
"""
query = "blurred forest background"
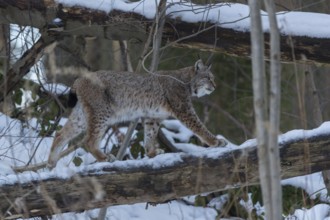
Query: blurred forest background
(228, 111)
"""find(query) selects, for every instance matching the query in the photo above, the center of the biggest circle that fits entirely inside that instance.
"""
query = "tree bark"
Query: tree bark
(7, 106)
(113, 184)
(119, 25)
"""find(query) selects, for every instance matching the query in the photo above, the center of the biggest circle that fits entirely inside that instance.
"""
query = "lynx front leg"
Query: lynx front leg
(151, 128)
(188, 117)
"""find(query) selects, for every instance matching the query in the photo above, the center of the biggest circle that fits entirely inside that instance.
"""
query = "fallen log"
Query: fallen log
(166, 177)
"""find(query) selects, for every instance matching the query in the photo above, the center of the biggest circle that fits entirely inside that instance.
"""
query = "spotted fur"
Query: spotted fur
(108, 97)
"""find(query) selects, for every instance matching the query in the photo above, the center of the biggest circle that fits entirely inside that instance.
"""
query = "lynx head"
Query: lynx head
(203, 81)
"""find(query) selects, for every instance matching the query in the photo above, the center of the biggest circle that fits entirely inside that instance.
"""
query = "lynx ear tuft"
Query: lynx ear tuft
(199, 65)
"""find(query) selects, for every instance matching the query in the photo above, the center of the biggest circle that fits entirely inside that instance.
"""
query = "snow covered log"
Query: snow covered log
(108, 20)
(166, 177)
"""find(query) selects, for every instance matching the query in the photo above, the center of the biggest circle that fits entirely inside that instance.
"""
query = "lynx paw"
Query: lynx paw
(50, 165)
(111, 158)
(155, 152)
(52, 160)
(222, 142)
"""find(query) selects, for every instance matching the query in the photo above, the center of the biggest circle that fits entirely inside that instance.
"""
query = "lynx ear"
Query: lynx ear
(209, 67)
(199, 65)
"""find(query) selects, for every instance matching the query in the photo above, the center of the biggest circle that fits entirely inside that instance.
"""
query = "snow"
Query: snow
(317, 212)
(5, 168)
(304, 24)
(56, 88)
(293, 135)
(313, 185)
(227, 15)
(174, 210)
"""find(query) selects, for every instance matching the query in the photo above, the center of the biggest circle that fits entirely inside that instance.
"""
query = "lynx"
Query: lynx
(106, 98)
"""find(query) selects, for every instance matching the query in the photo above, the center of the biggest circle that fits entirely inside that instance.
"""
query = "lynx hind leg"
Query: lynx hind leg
(151, 145)
(75, 125)
(94, 135)
(97, 110)
(189, 118)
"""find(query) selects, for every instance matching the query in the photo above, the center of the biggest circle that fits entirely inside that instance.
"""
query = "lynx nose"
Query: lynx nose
(213, 83)
(211, 89)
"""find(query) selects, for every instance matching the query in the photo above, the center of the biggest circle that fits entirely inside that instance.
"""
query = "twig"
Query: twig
(42, 165)
(247, 133)
(124, 145)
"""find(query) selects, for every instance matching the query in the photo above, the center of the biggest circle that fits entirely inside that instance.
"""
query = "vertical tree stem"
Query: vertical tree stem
(260, 100)
(274, 116)
(267, 123)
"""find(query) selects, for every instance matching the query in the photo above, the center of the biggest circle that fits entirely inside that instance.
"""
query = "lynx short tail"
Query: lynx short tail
(72, 101)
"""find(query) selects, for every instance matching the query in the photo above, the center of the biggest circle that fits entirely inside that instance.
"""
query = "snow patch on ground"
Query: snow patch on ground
(290, 136)
(313, 184)
(56, 88)
(173, 210)
(317, 212)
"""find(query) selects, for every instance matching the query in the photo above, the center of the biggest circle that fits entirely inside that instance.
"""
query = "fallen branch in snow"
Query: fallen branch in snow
(160, 179)
(42, 165)
(120, 25)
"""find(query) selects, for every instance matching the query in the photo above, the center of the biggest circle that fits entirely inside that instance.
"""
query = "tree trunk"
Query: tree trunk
(7, 106)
